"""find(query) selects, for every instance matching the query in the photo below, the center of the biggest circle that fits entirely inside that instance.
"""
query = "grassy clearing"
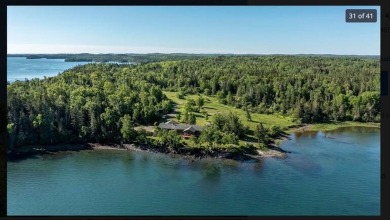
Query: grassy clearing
(212, 106)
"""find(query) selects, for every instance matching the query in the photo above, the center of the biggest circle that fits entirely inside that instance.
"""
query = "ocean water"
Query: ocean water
(20, 68)
(333, 173)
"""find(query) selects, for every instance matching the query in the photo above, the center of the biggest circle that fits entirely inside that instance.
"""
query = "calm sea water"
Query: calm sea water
(336, 174)
(20, 68)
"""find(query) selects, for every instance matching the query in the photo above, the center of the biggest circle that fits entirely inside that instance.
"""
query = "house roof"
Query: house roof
(191, 128)
(172, 122)
(180, 127)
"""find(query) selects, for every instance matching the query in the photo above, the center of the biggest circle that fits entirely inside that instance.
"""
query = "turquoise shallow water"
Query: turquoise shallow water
(20, 68)
(334, 175)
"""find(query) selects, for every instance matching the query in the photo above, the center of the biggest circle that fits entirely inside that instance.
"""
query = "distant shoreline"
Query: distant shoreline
(136, 58)
(69, 61)
(194, 54)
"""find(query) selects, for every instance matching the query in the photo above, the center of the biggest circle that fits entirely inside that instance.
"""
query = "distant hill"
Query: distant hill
(335, 55)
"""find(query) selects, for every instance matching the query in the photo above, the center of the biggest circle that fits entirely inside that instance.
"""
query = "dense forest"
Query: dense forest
(104, 102)
(312, 89)
(86, 103)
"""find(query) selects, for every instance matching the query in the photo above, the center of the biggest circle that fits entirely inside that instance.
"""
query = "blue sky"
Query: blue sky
(188, 29)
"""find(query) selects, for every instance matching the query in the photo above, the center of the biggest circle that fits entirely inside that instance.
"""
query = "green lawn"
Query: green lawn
(334, 125)
(212, 106)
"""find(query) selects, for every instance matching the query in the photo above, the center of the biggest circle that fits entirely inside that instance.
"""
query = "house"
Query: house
(191, 130)
(185, 130)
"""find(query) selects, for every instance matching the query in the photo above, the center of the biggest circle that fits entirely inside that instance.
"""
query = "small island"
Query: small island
(237, 107)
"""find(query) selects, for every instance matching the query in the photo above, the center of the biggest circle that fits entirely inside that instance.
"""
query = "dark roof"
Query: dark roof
(191, 129)
(172, 122)
(180, 127)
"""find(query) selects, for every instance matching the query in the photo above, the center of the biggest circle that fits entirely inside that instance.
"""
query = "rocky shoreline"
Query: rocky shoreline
(32, 151)
(273, 150)
(183, 152)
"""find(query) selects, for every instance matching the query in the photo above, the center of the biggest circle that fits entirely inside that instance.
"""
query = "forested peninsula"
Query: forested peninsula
(243, 103)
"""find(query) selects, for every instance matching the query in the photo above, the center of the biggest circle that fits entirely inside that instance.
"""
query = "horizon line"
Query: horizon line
(140, 53)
